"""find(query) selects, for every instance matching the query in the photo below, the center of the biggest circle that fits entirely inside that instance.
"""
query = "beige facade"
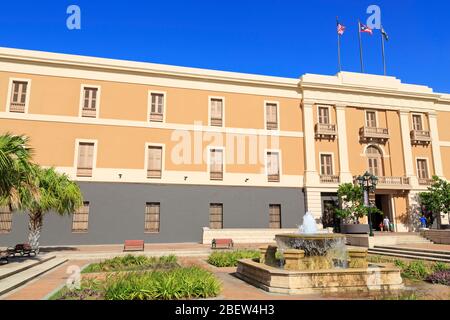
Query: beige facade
(317, 117)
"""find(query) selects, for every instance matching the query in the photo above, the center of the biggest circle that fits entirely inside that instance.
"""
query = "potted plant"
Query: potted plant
(352, 209)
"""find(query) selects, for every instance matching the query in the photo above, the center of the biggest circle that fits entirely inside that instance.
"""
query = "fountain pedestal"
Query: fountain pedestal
(357, 258)
(267, 255)
(294, 260)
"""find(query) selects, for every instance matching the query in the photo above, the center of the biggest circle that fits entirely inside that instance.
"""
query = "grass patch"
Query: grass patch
(417, 270)
(178, 283)
(132, 263)
(230, 258)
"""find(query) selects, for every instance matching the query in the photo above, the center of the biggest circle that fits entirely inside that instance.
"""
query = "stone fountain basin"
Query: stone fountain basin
(378, 277)
(317, 244)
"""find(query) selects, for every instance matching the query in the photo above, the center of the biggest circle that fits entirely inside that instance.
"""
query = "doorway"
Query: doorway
(382, 202)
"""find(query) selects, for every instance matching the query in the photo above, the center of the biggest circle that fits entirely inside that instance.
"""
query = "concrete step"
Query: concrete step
(419, 250)
(20, 264)
(18, 279)
(408, 255)
(413, 252)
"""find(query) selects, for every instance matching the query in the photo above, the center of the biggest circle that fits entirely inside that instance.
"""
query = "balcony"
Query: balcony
(17, 107)
(374, 134)
(425, 181)
(393, 183)
(329, 179)
(420, 137)
(324, 130)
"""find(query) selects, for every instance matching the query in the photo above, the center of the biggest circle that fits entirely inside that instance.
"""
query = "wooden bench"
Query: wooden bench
(222, 243)
(133, 245)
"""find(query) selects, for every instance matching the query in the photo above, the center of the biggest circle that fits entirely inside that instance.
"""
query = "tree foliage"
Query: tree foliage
(437, 199)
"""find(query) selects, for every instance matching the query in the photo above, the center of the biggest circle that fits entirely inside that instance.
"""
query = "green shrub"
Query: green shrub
(130, 262)
(182, 283)
(440, 266)
(230, 258)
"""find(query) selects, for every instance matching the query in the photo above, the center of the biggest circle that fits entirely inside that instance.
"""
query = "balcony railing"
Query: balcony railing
(273, 178)
(272, 125)
(325, 130)
(216, 175)
(89, 113)
(393, 182)
(329, 179)
(425, 181)
(420, 136)
(84, 172)
(154, 174)
(216, 122)
(17, 107)
(369, 133)
(157, 117)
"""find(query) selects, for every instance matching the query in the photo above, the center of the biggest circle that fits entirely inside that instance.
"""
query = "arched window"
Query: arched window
(375, 161)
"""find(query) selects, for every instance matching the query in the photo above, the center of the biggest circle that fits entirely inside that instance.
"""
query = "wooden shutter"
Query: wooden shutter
(422, 169)
(375, 161)
(216, 112)
(326, 164)
(5, 220)
(85, 159)
(271, 116)
(417, 122)
(80, 219)
(273, 168)
(154, 162)
(216, 164)
(18, 96)
(324, 115)
(152, 217)
(275, 216)
(371, 119)
(216, 216)
(90, 102)
(157, 107)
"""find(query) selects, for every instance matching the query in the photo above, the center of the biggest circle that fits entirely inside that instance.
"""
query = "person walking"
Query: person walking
(386, 224)
(423, 222)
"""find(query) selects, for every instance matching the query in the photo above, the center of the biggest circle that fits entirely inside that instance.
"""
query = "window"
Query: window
(271, 116)
(90, 97)
(216, 164)
(375, 161)
(18, 96)
(157, 107)
(216, 216)
(154, 162)
(152, 212)
(80, 219)
(417, 122)
(324, 115)
(326, 164)
(5, 220)
(216, 106)
(273, 168)
(371, 119)
(85, 159)
(275, 216)
(422, 169)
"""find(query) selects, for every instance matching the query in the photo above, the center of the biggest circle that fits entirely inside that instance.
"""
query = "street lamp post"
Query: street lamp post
(368, 183)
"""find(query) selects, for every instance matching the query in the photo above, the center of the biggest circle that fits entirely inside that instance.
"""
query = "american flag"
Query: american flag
(340, 29)
(365, 29)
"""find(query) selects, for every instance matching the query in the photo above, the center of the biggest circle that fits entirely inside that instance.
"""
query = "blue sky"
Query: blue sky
(281, 38)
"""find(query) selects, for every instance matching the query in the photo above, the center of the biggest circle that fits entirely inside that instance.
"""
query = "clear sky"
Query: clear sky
(281, 38)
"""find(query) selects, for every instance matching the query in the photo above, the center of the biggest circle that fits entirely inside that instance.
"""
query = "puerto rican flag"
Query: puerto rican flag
(365, 29)
(340, 29)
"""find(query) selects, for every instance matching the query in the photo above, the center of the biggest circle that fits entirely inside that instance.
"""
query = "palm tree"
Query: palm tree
(16, 169)
(56, 193)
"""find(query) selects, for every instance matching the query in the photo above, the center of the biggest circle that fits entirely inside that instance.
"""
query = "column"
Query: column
(435, 144)
(345, 174)
(311, 176)
(407, 149)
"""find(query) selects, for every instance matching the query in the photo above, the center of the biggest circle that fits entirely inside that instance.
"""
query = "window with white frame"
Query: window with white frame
(154, 162)
(18, 97)
(157, 107)
(85, 161)
(216, 112)
(273, 166)
(271, 116)
(216, 164)
(90, 101)
(326, 164)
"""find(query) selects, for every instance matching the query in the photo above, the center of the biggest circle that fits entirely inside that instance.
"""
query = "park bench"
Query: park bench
(22, 249)
(222, 243)
(133, 245)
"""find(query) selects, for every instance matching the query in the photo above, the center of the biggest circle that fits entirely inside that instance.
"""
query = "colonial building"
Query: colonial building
(160, 152)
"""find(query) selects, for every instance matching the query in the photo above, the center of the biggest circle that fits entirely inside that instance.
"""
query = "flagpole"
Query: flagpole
(339, 47)
(383, 52)
(360, 47)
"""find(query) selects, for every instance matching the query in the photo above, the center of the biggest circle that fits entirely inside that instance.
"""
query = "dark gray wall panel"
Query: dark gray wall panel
(117, 213)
